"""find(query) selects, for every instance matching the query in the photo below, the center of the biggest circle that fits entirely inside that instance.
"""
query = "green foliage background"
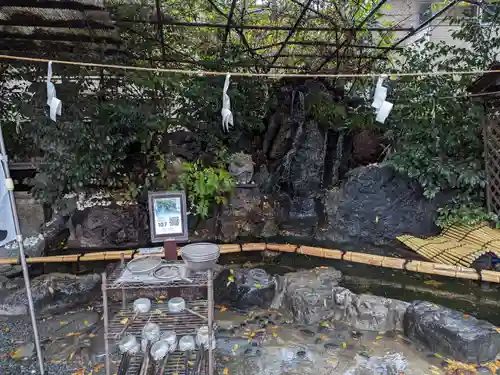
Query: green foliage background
(113, 123)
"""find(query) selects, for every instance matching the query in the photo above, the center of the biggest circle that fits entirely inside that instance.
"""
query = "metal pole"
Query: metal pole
(19, 238)
(124, 297)
(106, 323)
(210, 298)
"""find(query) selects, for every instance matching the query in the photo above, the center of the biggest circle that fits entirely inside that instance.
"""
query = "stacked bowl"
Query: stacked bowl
(200, 256)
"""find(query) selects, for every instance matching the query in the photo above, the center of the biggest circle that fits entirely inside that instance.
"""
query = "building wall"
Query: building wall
(411, 13)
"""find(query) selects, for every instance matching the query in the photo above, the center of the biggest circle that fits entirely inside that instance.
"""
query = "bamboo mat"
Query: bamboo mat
(457, 245)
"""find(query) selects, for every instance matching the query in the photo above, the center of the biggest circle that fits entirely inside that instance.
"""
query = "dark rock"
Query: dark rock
(182, 144)
(313, 296)
(249, 214)
(115, 225)
(450, 333)
(366, 147)
(375, 205)
(51, 292)
(306, 294)
(391, 364)
(241, 168)
(244, 288)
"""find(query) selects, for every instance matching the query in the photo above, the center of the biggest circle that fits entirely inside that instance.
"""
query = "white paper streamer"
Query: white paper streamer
(383, 112)
(55, 105)
(227, 116)
(380, 93)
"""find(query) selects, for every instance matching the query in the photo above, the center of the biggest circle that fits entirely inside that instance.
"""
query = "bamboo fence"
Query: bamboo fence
(362, 258)
(457, 245)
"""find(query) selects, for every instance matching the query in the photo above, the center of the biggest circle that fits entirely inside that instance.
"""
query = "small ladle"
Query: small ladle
(150, 334)
(129, 346)
(202, 339)
(187, 345)
(178, 305)
(141, 306)
(170, 338)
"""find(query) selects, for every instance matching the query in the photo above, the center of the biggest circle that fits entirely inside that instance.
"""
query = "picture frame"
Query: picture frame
(168, 216)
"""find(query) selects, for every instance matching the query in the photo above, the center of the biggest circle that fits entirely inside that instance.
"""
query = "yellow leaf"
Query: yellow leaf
(437, 355)
(379, 337)
(258, 286)
(73, 334)
(223, 308)
(159, 301)
(86, 323)
(275, 334)
(394, 77)
(324, 324)
(6, 329)
(344, 345)
(231, 278)
(388, 6)
(323, 337)
(433, 283)
(225, 371)
(436, 372)
(124, 321)
(63, 323)
(92, 335)
(98, 367)
(162, 297)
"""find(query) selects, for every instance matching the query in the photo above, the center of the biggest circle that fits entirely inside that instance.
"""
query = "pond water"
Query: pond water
(266, 342)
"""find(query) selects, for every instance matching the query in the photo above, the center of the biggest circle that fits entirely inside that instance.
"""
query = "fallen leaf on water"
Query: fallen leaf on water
(225, 371)
(230, 278)
(466, 316)
(73, 334)
(344, 345)
(275, 334)
(223, 308)
(86, 323)
(323, 337)
(63, 323)
(381, 332)
(80, 371)
(124, 321)
(379, 337)
(324, 324)
(92, 335)
(235, 347)
(258, 286)
(437, 355)
(17, 354)
(436, 372)
(433, 283)
(159, 301)
(6, 329)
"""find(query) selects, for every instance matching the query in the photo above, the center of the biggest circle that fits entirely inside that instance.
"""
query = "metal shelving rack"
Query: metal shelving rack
(185, 323)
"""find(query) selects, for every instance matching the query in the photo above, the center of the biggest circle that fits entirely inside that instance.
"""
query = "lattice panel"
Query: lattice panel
(492, 163)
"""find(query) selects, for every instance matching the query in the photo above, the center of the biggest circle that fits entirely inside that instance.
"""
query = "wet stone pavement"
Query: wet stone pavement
(257, 342)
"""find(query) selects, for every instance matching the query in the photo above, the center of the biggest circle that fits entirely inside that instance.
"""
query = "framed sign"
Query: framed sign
(168, 216)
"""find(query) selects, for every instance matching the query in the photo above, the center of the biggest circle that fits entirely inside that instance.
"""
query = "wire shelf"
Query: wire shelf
(174, 366)
(199, 279)
(184, 323)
